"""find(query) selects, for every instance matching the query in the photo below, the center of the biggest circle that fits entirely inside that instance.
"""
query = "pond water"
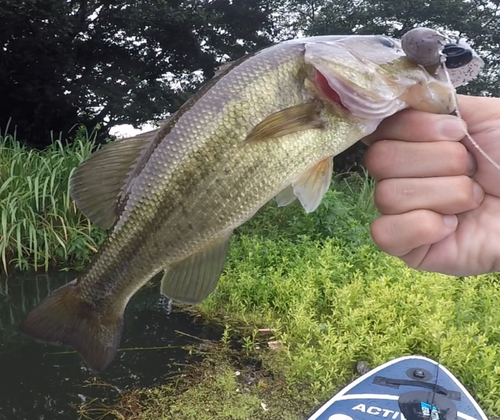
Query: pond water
(40, 381)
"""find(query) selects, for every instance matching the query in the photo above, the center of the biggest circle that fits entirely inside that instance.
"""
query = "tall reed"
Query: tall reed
(39, 223)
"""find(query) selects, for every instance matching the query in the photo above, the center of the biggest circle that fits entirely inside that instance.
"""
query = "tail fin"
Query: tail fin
(63, 318)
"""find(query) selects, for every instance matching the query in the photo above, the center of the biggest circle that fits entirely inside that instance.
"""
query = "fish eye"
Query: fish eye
(386, 41)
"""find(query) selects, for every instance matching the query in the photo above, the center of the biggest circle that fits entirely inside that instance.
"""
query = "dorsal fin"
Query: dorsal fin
(101, 183)
(97, 184)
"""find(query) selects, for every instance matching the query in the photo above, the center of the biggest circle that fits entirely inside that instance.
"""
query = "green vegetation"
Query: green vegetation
(221, 387)
(322, 295)
(39, 223)
(326, 298)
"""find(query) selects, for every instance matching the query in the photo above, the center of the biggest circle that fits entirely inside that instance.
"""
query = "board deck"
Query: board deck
(411, 388)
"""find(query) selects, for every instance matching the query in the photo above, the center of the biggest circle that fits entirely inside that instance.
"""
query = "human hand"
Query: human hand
(439, 197)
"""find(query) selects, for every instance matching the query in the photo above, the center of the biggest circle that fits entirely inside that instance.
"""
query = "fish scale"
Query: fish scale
(145, 200)
(189, 133)
(267, 125)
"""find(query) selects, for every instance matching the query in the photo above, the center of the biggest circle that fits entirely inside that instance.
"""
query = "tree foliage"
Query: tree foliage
(478, 21)
(108, 62)
(111, 62)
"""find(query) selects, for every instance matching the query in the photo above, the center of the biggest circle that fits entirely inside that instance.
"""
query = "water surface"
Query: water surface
(45, 382)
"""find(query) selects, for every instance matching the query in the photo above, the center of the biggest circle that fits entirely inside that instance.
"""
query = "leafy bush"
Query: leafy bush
(335, 300)
(39, 223)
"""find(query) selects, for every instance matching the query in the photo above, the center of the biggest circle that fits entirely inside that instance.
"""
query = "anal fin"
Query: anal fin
(194, 278)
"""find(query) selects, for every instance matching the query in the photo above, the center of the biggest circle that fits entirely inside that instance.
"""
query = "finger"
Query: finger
(415, 257)
(445, 195)
(412, 125)
(399, 159)
(478, 111)
(399, 234)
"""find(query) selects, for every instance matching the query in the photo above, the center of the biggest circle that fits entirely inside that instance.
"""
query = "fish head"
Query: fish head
(372, 78)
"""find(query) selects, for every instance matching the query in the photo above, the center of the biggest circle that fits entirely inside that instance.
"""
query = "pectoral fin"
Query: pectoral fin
(194, 278)
(313, 184)
(97, 185)
(287, 121)
(285, 197)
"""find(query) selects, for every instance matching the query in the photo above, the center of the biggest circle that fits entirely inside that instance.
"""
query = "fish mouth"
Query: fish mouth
(322, 84)
(355, 100)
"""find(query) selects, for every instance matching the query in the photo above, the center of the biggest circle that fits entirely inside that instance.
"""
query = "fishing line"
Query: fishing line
(455, 104)
(483, 153)
(434, 390)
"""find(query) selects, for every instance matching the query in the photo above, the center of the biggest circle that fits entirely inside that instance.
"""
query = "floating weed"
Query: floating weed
(222, 387)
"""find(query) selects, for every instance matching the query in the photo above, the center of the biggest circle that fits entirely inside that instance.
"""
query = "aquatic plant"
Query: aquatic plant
(333, 300)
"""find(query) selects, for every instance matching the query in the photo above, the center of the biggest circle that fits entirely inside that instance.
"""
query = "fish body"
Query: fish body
(268, 125)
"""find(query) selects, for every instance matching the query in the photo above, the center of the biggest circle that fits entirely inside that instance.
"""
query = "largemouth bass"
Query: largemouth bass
(268, 125)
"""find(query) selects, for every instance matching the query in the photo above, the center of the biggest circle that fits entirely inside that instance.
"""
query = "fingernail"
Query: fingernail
(452, 128)
(478, 193)
(450, 220)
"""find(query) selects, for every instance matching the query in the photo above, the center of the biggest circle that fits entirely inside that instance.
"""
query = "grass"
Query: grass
(221, 387)
(316, 281)
(331, 300)
(40, 225)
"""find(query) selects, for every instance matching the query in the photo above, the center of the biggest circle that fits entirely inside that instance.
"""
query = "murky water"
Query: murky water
(39, 381)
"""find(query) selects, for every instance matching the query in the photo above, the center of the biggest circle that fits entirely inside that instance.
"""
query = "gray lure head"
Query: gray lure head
(431, 48)
(424, 46)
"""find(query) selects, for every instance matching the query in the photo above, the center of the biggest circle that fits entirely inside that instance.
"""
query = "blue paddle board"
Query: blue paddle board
(411, 388)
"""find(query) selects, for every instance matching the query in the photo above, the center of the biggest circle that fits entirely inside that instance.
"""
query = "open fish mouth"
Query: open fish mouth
(373, 77)
(353, 99)
(350, 72)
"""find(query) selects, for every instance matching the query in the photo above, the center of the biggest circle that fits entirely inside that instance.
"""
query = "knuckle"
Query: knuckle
(386, 195)
(456, 157)
(464, 194)
(380, 234)
(377, 157)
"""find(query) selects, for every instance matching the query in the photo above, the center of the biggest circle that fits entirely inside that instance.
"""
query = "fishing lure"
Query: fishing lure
(452, 58)
(441, 52)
